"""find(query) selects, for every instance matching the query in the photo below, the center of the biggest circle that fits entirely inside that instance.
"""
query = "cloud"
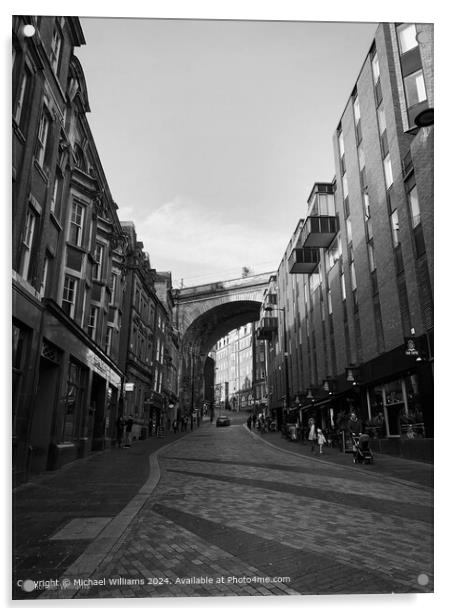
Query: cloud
(196, 242)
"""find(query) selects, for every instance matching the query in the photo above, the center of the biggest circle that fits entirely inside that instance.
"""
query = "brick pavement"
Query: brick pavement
(98, 486)
(228, 504)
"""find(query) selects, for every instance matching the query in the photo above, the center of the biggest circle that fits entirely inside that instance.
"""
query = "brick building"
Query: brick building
(169, 364)
(67, 256)
(355, 285)
(138, 333)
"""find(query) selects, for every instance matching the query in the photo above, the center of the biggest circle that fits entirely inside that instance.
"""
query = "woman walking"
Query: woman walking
(312, 436)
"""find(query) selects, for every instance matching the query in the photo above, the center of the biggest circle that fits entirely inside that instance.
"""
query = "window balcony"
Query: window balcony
(318, 231)
(304, 260)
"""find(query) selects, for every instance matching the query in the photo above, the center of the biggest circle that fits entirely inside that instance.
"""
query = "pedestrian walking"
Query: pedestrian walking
(312, 436)
(254, 420)
(119, 430)
(249, 421)
(321, 440)
(129, 426)
(175, 427)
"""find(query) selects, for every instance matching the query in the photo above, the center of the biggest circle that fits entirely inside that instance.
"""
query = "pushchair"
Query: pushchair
(362, 452)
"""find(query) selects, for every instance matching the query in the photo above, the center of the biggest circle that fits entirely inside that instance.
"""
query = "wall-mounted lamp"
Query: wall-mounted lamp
(352, 375)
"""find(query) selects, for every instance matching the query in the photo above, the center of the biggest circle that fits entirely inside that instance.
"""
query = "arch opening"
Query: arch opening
(199, 339)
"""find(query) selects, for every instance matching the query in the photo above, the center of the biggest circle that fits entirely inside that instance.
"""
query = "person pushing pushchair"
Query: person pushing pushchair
(361, 449)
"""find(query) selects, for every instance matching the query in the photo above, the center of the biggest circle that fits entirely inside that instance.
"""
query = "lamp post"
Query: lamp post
(286, 354)
(192, 410)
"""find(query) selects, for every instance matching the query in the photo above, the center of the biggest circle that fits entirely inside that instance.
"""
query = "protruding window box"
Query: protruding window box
(267, 326)
(271, 299)
(318, 231)
(304, 260)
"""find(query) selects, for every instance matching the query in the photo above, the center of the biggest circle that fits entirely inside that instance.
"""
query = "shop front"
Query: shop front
(77, 400)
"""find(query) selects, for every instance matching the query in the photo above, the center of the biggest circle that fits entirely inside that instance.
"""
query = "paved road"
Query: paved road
(234, 515)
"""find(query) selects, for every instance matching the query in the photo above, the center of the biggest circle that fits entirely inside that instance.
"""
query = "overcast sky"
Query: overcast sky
(212, 133)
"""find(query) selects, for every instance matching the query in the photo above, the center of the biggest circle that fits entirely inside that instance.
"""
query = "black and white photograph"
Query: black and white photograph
(222, 307)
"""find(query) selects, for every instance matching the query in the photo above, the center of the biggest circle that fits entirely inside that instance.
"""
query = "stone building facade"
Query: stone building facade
(67, 256)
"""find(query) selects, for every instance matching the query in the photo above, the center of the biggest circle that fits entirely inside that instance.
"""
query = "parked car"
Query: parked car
(222, 420)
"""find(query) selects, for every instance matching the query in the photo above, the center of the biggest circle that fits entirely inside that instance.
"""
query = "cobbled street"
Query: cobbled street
(235, 515)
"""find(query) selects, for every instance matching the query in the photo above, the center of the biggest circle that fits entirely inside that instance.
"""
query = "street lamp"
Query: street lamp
(286, 354)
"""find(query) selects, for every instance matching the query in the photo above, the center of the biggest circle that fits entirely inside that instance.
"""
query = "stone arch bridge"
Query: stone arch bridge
(204, 314)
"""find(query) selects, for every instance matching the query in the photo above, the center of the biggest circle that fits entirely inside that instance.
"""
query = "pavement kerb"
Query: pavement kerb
(409, 484)
(101, 546)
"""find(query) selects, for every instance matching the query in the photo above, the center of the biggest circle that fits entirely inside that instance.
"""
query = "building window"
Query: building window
(325, 205)
(329, 302)
(345, 185)
(54, 193)
(414, 207)
(348, 225)
(381, 119)
(356, 110)
(22, 99)
(340, 138)
(43, 137)
(114, 286)
(343, 291)
(27, 243)
(361, 159)
(388, 171)
(45, 274)
(98, 257)
(366, 203)
(369, 229)
(92, 322)
(375, 68)
(395, 228)
(370, 252)
(76, 226)
(69, 295)
(406, 34)
(55, 50)
(335, 252)
(108, 340)
(415, 88)
(55, 202)
(353, 276)
(314, 281)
